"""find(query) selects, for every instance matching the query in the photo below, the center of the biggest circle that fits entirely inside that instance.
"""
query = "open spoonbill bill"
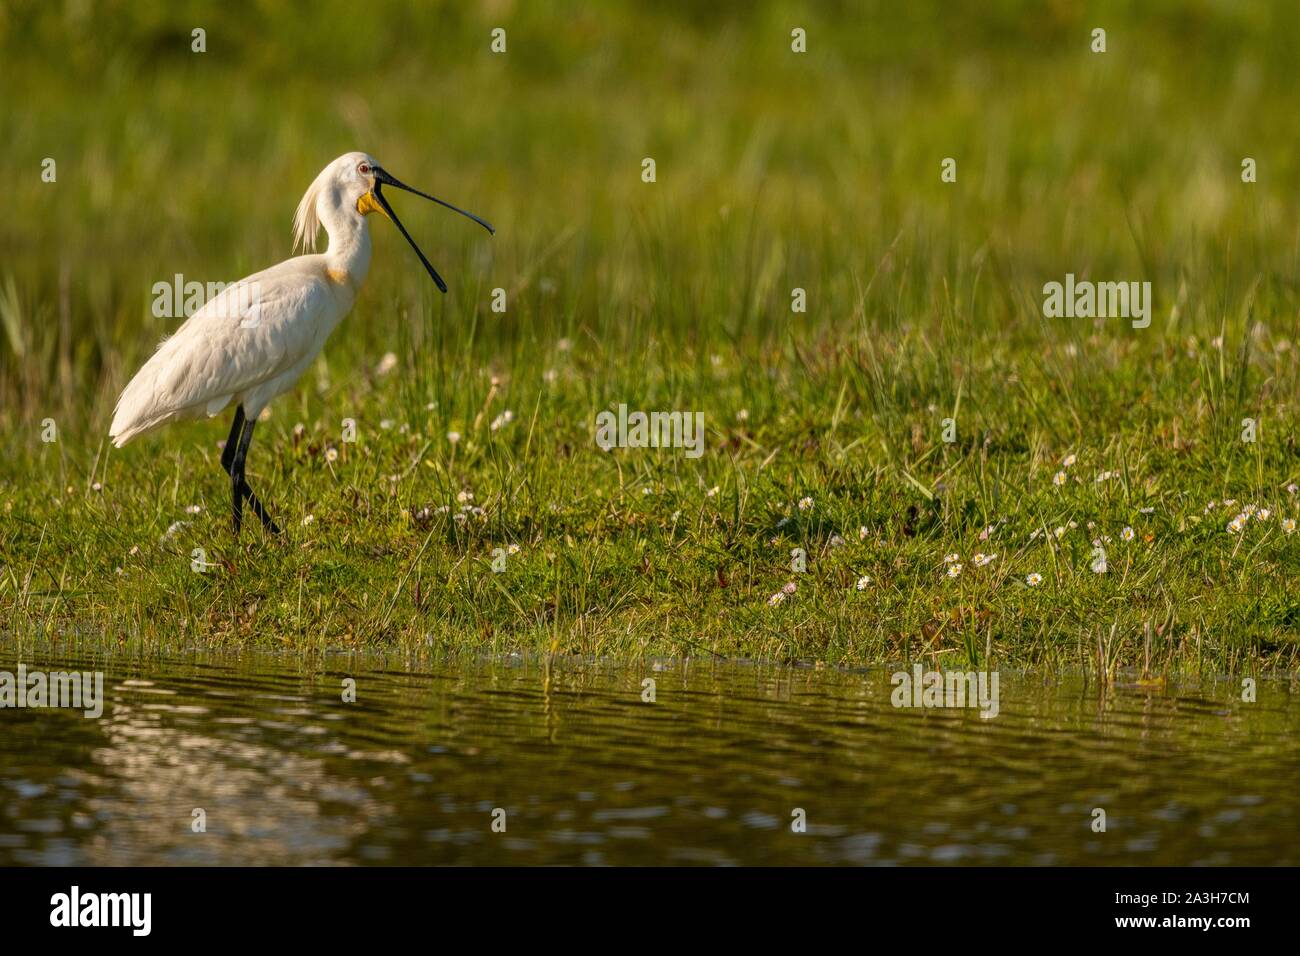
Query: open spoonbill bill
(252, 341)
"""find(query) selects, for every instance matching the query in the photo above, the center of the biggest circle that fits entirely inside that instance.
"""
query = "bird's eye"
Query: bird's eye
(363, 169)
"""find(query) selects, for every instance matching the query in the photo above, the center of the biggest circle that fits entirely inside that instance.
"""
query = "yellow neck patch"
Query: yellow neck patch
(339, 276)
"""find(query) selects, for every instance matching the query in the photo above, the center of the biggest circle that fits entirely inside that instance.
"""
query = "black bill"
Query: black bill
(382, 178)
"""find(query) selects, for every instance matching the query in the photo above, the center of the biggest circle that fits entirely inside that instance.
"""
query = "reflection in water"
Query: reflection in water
(711, 772)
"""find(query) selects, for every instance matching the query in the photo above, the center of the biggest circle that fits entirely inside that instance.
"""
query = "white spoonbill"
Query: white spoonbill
(251, 342)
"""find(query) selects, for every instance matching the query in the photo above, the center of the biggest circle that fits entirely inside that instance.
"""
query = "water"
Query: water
(712, 772)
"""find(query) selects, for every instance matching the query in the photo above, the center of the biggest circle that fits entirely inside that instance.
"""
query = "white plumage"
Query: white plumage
(252, 342)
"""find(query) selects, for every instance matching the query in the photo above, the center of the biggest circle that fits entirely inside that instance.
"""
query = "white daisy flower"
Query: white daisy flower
(863, 582)
(1127, 534)
(1033, 580)
(805, 504)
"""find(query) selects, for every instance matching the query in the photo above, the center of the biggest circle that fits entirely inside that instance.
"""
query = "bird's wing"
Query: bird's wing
(252, 332)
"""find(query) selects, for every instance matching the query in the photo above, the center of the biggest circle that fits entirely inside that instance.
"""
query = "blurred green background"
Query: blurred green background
(775, 170)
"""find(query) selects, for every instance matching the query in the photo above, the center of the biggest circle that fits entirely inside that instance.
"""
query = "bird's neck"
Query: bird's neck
(348, 255)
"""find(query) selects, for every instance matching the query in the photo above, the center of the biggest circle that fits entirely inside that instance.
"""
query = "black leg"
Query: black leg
(241, 434)
(236, 427)
(239, 485)
(237, 472)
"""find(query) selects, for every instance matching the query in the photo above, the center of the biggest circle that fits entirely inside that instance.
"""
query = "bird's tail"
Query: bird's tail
(137, 409)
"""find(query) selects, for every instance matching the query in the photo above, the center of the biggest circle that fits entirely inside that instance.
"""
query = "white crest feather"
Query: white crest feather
(306, 221)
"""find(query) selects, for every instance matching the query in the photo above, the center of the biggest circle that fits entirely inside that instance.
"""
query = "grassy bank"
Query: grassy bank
(774, 171)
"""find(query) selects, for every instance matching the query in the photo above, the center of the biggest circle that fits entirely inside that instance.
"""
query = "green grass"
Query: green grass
(775, 171)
